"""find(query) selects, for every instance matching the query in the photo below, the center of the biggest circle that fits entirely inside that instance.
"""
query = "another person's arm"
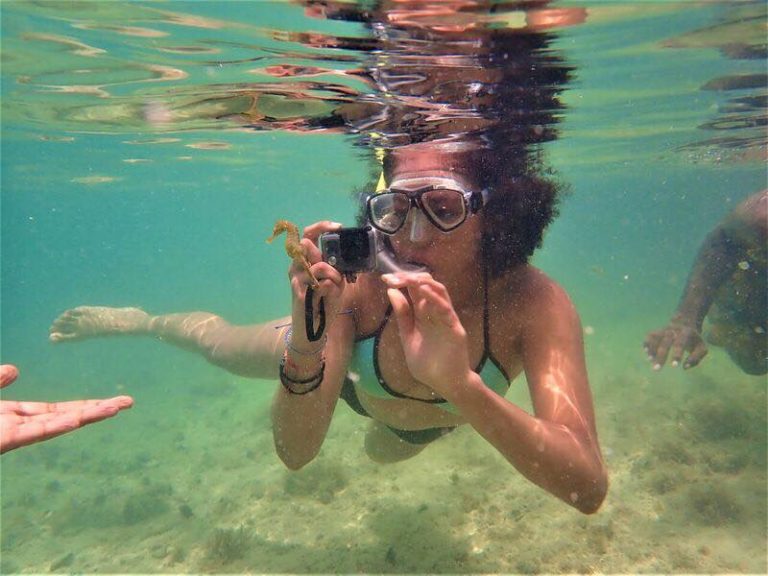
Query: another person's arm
(24, 423)
(557, 447)
(721, 252)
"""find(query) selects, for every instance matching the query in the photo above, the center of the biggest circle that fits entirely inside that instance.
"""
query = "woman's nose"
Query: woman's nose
(419, 226)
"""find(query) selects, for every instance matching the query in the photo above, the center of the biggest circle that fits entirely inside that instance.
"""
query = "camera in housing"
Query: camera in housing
(350, 250)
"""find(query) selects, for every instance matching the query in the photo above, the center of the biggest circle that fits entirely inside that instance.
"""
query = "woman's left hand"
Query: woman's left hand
(433, 338)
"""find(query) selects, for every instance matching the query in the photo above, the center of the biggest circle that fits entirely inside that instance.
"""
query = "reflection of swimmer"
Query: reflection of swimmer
(728, 286)
(23, 423)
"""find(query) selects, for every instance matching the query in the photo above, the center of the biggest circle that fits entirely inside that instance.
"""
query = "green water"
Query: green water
(102, 207)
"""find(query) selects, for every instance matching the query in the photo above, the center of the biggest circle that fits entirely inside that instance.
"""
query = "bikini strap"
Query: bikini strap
(486, 316)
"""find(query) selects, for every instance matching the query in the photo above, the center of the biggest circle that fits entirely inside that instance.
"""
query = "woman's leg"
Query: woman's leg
(252, 351)
(384, 446)
(94, 321)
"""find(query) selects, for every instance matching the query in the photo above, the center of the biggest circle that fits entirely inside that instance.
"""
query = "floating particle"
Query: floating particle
(589, 330)
(744, 265)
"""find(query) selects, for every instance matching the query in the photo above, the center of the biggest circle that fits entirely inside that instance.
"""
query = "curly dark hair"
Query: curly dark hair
(515, 220)
(521, 205)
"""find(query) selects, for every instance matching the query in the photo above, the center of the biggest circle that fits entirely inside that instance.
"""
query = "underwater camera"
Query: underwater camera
(354, 250)
(350, 250)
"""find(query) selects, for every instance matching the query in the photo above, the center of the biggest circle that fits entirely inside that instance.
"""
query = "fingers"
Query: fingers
(657, 345)
(313, 231)
(402, 310)
(25, 432)
(327, 276)
(21, 430)
(429, 298)
(30, 409)
(678, 348)
(696, 355)
(432, 306)
(8, 373)
(673, 343)
(651, 343)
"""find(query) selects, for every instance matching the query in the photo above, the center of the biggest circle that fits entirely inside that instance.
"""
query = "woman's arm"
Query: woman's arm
(557, 448)
(300, 421)
(312, 372)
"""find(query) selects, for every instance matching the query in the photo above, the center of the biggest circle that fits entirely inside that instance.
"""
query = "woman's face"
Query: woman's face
(446, 254)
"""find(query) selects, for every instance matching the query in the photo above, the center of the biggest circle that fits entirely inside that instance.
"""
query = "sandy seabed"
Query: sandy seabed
(189, 483)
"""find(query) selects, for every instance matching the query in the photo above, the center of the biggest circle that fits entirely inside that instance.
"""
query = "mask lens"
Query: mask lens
(445, 207)
(388, 210)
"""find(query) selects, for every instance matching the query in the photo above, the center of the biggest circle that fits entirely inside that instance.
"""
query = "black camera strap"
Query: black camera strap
(309, 316)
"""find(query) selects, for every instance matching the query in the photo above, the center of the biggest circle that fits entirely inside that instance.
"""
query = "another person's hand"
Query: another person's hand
(331, 286)
(433, 338)
(23, 423)
(675, 341)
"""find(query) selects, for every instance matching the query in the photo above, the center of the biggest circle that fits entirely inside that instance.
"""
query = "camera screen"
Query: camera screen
(354, 244)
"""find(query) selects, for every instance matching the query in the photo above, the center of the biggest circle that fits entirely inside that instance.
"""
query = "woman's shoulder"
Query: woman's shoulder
(526, 280)
(527, 288)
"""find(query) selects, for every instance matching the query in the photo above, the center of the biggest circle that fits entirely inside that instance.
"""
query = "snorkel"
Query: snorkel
(387, 262)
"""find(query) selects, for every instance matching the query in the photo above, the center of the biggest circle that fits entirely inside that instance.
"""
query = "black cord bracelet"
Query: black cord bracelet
(302, 386)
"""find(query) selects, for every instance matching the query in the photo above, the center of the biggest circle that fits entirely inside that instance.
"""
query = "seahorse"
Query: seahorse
(293, 246)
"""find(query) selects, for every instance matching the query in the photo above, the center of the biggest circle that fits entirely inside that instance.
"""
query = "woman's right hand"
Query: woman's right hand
(331, 286)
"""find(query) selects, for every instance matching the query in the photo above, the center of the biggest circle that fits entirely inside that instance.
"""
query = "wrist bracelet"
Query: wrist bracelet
(300, 386)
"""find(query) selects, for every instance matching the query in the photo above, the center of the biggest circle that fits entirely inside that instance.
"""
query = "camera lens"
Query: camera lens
(355, 245)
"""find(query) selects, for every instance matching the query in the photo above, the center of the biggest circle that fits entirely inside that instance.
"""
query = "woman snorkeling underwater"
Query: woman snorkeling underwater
(422, 352)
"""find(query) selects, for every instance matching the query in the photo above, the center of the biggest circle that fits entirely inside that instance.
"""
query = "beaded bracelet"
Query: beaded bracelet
(302, 386)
